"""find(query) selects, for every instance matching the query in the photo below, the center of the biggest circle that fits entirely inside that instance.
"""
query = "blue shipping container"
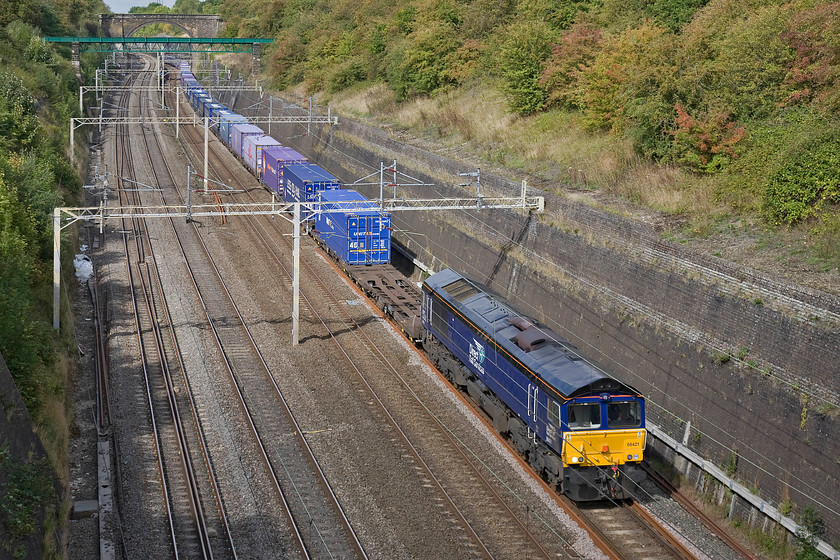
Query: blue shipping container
(198, 99)
(203, 103)
(303, 181)
(355, 234)
(212, 110)
(218, 117)
(226, 122)
(195, 93)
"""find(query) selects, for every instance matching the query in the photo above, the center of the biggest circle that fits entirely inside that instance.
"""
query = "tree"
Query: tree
(524, 47)
(576, 48)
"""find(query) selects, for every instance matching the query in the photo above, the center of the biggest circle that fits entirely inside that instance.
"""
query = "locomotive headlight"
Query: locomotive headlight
(629, 457)
(636, 457)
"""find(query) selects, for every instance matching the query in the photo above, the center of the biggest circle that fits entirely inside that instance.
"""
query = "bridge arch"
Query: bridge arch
(194, 25)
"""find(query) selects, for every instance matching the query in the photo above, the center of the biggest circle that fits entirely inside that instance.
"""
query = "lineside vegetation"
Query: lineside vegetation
(38, 96)
(707, 109)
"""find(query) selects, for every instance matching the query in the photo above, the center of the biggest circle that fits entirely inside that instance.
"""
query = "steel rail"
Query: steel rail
(142, 355)
(255, 431)
(103, 392)
(183, 443)
(661, 533)
(242, 402)
(199, 431)
(145, 281)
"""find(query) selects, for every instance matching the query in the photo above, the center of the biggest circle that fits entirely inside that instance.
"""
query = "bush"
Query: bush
(806, 185)
(465, 62)
(347, 73)
(523, 48)
(751, 62)
(673, 14)
(28, 489)
(576, 48)
(559, 14)
(630, 84)
(813, 528)
(814, 36)
(705, 144)
(418, 64)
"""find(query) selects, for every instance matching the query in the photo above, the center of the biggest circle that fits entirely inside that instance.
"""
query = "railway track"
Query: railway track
(186, 481)
(318, 526)
(630, 533)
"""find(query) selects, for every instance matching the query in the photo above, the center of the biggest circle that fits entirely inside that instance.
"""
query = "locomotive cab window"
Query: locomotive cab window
(584, 416)
(625, 414)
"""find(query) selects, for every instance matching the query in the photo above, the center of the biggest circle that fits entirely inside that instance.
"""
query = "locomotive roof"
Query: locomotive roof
(548, 356)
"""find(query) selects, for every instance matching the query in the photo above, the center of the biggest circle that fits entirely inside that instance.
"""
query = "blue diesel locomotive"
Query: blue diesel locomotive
(581, 429)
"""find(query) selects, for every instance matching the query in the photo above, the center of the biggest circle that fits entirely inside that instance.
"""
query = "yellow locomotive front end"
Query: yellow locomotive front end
(603, 446)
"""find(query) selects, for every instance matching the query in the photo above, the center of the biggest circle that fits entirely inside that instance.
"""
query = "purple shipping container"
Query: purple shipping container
(252, 150)
(238, 133)
(274, 160)
(356, 232)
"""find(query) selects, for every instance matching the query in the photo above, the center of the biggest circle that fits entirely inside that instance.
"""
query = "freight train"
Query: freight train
(581, 429)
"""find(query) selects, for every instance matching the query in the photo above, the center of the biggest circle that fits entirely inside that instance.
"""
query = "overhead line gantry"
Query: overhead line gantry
(64, 217)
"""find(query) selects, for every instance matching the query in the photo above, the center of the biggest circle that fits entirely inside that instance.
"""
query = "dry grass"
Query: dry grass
(550, 145)
(365, 103)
